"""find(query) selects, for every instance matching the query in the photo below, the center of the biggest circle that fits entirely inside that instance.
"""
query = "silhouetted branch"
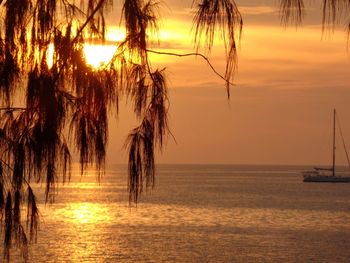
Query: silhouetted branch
(221, 17)
(87, 21)
(333, 10)
(140, 144)
(13, 109)
(195, 54)
(291, 11)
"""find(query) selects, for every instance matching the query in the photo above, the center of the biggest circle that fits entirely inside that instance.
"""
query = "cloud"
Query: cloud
(257, 10)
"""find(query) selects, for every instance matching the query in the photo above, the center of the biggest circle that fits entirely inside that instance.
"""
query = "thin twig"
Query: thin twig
(192, 54)
(10, 168)
(13, 109)
(97, 8)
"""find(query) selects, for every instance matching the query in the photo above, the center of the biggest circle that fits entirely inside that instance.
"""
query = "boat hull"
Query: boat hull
(326, 179)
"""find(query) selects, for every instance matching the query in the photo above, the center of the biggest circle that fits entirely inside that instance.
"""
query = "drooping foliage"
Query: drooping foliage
(292, 11)
(53, 103)
(219, 17)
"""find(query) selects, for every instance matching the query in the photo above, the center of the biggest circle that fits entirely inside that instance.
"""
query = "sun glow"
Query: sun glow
(49, 55)
(98, 55)
(115, 34)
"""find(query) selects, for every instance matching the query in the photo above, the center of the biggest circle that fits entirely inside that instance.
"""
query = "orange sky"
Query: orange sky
(288, 82)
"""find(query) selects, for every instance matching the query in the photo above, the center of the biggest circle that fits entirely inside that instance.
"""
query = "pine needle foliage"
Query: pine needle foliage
(219, 17)
(292, 11)
(66, 102)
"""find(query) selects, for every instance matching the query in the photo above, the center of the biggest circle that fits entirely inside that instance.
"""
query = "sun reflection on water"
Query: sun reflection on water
(84, 213)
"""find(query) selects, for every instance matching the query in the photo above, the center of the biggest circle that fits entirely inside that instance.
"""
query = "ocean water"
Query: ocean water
(197, 213)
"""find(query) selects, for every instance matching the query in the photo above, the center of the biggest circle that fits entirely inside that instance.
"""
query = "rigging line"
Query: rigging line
(342, 137)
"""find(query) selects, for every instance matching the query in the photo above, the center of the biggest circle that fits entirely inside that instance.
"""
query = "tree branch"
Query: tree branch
(98, 6)
(189, 55)
(13, 109)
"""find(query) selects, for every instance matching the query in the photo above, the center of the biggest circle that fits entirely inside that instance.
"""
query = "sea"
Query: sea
(196, 213)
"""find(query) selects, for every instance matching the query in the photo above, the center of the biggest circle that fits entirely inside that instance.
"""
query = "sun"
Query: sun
(98, 55)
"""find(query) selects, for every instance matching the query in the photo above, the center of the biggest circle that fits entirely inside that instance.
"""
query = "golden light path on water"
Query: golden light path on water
(84, 213)
(91, 215)
(194, 217)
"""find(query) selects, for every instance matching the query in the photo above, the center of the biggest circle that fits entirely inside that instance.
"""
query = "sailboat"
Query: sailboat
(328, 175)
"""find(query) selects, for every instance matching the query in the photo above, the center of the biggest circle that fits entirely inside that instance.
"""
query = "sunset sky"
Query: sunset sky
(280, 111)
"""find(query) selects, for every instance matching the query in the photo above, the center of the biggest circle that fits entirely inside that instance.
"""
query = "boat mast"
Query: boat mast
(333, 167)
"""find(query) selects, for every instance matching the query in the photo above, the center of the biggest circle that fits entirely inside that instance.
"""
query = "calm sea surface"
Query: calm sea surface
(197, 213)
